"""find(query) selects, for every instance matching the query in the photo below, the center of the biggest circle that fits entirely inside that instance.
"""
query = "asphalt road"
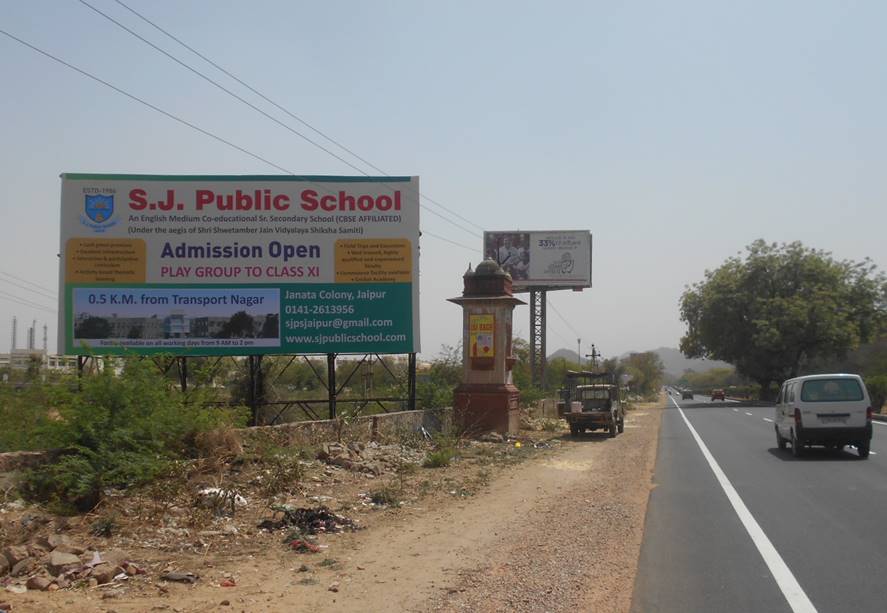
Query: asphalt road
(798, 535)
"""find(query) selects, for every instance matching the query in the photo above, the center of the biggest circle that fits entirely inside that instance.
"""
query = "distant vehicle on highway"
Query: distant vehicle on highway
(832, 410)
(686, 394)
(718, 394)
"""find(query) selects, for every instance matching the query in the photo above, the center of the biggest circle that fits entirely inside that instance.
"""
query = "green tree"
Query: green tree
(240, 325)
(781, 307)
(269, 327)
(877, 387)
(646, 371)
(434, 389)
(93, 327)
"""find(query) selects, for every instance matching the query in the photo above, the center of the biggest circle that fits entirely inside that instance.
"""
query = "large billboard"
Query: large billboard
(538, 260)
(234, 265)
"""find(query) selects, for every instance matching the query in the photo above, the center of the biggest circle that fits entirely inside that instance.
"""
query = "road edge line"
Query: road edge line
(791, 589)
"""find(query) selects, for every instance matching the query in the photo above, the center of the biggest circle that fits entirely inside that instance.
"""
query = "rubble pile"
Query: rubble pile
(317, 520)
(53, 563)
(371, 458)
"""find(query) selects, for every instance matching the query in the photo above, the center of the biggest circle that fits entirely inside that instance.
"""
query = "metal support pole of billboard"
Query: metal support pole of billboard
(537, 336)
(331, 382)
(81, 362)
(183, 373)
(411, 401)
(256, 386)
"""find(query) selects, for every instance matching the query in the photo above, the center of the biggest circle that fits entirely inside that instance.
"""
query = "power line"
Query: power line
(24, 302)
(441, 238)
(179, 119)
(561, 336)
(280, 107)
(245, 101)
(147, 104)
(28, 289)
(31, 283)
(558, 313)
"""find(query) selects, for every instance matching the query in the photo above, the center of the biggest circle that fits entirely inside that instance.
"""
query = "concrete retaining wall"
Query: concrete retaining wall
(21, 460)
(385, 426)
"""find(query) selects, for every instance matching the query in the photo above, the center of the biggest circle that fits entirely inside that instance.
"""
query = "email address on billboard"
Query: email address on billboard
(337, 323)
(347, 338)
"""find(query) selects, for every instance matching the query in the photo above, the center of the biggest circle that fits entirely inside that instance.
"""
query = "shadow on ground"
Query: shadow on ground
(816, 454)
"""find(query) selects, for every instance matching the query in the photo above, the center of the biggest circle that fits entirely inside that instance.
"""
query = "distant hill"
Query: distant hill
(568, 355)
(674, 361)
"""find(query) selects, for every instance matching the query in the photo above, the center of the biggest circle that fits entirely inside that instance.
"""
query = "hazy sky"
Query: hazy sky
(677, 132)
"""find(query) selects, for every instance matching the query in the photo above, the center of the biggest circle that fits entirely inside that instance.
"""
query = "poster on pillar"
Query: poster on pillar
(238, 265)
(480, 335)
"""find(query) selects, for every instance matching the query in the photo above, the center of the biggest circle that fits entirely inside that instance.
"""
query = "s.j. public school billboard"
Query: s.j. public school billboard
(233, 265)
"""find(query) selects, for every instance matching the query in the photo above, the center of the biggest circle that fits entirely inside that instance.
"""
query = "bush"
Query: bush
(530, 395)
(434, 395)
(26, 414)
(388, 495)
(440, 458)
(118, 431)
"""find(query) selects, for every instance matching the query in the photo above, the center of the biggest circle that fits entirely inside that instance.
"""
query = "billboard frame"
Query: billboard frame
(96, 221)
(524, 251)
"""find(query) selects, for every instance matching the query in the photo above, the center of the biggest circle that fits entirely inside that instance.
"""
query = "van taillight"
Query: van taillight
(868, 413)
(797, 417)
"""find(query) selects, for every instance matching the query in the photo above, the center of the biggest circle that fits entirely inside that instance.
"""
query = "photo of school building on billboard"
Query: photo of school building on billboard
(177, 325)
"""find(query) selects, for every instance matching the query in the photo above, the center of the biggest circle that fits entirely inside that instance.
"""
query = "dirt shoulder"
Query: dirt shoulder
(559, 531)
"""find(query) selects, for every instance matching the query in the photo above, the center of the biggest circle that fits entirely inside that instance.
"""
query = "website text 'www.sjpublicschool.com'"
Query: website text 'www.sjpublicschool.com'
(347, 338)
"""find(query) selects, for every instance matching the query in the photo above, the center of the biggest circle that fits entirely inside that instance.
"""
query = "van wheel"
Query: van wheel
(862, 448)
(780, 442)
(797, 448)
(612, 428)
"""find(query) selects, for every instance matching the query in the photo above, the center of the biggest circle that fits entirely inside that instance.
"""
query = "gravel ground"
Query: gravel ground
(577, 549)
(559, 531)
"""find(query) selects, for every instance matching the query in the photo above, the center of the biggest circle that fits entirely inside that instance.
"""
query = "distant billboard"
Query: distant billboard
(234, 265)
(551, 259)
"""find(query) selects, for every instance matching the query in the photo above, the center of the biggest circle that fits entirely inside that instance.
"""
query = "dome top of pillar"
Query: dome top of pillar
(489, 268)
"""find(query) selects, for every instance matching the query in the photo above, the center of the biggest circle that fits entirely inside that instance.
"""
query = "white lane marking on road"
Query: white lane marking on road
(747, 413)
(768, 419)
(734, 410)
(791, 589)
(880, 423)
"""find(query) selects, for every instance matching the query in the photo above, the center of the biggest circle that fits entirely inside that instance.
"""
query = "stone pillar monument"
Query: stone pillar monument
(487, 400)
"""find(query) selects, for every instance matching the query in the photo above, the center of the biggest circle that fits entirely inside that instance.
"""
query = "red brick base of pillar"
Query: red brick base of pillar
(481, 408)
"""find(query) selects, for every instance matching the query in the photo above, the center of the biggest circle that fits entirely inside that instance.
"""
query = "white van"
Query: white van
(830, 410)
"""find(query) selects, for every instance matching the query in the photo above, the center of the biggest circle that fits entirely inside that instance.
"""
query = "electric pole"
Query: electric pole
(593, 356)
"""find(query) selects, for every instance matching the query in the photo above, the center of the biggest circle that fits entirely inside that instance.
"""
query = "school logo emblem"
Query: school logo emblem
(98, 211)
(99, 208)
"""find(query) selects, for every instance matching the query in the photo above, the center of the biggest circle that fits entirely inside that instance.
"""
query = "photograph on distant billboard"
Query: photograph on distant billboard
(234, 265)
(554, 259)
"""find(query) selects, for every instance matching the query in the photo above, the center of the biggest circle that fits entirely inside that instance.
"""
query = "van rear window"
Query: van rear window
(831, 390)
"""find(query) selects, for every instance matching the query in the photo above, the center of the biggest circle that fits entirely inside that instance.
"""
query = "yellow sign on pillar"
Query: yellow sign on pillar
(480, 334)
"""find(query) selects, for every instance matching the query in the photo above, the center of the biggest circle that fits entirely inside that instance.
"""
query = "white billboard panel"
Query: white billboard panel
(542, 259)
